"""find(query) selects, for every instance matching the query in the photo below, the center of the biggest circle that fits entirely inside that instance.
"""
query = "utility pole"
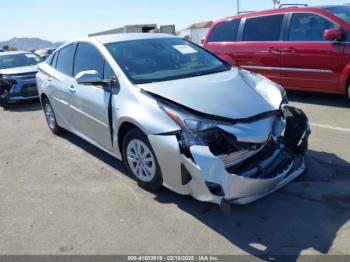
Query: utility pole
(238, 7)
(276, 2)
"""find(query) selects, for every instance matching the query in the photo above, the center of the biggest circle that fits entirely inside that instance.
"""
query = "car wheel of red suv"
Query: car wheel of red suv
(348, 93)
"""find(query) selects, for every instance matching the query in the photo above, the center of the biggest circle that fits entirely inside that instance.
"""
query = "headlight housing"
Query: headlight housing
(196, 130)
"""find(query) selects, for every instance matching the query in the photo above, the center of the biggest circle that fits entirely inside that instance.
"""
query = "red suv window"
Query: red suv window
(225, 31)
(307, 27)
(265, 28)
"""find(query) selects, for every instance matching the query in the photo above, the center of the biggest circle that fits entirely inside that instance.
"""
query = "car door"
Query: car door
(259, 47)
(222, 38)
(58, 83)
(309, 62)
(91, 103)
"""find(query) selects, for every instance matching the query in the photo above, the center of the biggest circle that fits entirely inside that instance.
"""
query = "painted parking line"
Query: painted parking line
(337, 128)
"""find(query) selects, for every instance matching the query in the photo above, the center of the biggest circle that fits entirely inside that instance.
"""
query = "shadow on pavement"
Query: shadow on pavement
(319, 99)
(305, 215)
(28, 106)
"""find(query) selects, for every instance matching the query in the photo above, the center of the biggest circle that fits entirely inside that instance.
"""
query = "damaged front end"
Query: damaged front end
(5, 88)
(17, 87)
(238, 161)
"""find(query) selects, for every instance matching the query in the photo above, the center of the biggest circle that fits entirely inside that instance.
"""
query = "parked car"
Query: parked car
(17, 76)
(303, 48)
(44, 53)
(176, 115)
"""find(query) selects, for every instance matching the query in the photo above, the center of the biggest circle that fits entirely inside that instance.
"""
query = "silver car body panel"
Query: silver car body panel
(224, 94)
(234, 94)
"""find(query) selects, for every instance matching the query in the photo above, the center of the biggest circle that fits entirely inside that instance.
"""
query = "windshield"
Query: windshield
(155, 60)
(343, 12)
(18, 60)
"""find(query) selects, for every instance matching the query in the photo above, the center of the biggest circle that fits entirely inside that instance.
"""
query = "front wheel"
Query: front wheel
(140, 160)
(51, 118)
(4, 103)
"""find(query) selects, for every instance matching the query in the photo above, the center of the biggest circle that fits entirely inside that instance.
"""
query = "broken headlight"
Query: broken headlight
(196, 130)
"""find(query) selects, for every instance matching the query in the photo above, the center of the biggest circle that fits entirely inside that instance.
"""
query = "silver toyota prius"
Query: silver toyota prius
(177, 115)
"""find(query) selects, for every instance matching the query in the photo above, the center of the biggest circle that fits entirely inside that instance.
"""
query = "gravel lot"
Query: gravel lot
(60, 195)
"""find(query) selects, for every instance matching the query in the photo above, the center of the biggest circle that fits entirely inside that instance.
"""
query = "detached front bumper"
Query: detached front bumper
(241, 188)
(205, 176)
(22, 90)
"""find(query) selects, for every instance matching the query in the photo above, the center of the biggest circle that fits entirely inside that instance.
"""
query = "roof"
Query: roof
(105, 39)
(278, 10)
(199, 25)
(14, 53)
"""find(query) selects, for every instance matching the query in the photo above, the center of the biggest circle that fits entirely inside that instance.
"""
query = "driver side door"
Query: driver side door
(90, 107)
(309, 62)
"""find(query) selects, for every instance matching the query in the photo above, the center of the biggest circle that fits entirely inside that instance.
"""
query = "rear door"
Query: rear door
(309, 62)
(58, 83)
(91, 103)
(259, 47)
(222, 38)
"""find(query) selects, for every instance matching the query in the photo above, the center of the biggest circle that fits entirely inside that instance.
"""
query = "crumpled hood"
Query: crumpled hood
(19, 70)
(235, 94)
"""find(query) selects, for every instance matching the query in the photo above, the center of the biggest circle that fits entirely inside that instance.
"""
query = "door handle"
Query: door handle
(49, 79)
(273, 50)
(290, 50)
(72, 89)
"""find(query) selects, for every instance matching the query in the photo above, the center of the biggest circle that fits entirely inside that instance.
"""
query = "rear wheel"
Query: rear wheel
(51, 118)
(140, 160)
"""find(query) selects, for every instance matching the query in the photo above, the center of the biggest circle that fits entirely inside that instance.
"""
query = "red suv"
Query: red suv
(303, 48)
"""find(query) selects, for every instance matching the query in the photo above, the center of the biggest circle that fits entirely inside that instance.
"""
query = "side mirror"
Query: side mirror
(91, 77)
(333, 34)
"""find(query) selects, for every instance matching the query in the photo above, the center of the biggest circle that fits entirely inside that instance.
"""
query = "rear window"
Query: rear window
(266, 28)
(65, 60)
(225, 31)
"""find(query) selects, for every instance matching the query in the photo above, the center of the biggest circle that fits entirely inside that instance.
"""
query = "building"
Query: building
(143, 28)
(196, 32)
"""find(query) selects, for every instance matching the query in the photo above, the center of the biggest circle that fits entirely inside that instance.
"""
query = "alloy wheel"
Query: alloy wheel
(50, 117)
(141, 160)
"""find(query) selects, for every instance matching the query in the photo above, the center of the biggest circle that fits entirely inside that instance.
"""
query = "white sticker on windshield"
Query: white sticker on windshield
(185, 49)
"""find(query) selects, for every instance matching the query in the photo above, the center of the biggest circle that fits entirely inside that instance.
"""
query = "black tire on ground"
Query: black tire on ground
(54, 127)
(156, 183)
(4, 103)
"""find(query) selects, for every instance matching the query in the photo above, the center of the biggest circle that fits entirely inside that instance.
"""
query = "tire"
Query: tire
(136, 151)
(4, 103)
(348, 92)
(51, 118)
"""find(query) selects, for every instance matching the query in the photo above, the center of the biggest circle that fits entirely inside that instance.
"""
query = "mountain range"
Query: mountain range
(26, 43)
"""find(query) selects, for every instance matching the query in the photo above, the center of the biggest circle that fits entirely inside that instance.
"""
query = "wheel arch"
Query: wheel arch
(123, 129)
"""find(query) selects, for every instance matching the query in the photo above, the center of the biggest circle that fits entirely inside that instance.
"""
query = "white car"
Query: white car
(177, 115)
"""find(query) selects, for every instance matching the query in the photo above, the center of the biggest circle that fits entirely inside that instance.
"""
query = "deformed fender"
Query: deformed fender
(168, 155)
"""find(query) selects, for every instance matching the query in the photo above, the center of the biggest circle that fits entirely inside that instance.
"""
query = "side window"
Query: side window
(88, 58)
(308, 27)
(225, 31)
(265, 28)
(65, 60)
(54, 60)
(49, 59)
(108, 72)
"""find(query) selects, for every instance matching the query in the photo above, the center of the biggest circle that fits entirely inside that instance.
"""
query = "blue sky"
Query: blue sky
(58, 20)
